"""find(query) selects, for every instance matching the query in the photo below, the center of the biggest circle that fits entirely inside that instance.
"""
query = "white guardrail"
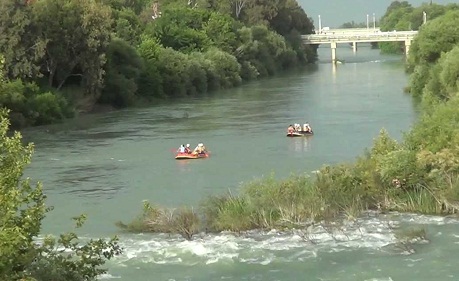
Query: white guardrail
(359, 37)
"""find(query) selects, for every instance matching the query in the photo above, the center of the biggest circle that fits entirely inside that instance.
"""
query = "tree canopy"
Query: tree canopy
(70, 50)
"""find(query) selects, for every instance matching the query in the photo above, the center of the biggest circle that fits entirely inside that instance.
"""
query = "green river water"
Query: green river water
(105, 165)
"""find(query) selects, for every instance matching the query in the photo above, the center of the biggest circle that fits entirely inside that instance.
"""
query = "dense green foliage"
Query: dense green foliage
(353, 24)
(22, 209)
(401, 15)
(419, 174)
(65, 56)
(434, 57)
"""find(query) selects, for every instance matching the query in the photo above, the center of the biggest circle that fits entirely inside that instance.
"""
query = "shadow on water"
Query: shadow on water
(89, 180)
(202, 113)
(345, 54)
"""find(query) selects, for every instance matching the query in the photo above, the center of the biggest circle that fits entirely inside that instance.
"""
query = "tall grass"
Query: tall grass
(420, 200)
(184, 221)
(343, 191)
(288, 203)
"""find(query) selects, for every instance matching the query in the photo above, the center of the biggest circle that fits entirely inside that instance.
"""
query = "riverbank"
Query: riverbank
(133, 55)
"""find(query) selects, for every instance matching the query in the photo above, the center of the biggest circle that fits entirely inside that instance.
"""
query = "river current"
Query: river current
(105, 165)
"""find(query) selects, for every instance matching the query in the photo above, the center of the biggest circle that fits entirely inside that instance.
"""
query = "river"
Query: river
(105, 165)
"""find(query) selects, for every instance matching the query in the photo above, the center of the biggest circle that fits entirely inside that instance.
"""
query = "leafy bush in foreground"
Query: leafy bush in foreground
(22, 209)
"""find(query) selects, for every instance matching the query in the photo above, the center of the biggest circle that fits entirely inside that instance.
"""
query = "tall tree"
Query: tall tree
(438, 36)
(396, 12)
(77, 34)
(238, 5)
(19, 41)
(260, 12)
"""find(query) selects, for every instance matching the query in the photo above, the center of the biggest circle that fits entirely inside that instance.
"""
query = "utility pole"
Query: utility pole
(320, 25)
(374, 22)
(368, 26)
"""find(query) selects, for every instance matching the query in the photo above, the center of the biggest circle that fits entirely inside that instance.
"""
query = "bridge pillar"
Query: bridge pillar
(407, 47)
(354, 46)
(333, 49)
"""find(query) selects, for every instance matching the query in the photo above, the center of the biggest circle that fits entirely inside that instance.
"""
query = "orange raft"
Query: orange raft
(183, 156)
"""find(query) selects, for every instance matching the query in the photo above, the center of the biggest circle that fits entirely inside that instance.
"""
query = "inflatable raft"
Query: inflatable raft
(300, 134)
(183, 156)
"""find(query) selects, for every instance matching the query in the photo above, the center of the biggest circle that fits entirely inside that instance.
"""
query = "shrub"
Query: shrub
(23, 208)
(150, 81)
(227, 68)
(123, 69)
(173, 67)
(49, 108)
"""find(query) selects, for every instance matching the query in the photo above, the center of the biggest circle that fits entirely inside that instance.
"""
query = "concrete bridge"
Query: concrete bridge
(358, 35)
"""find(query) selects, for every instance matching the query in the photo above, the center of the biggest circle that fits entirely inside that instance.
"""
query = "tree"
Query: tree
(442, 81)
(238, 5)
(182, 29)
(78, 33)
(19, 41)
(291, 17)
(22, 207)
(128, 26)
(260, 13)
(124, 67)
(136, 5)
(437, 36)
(396, 12)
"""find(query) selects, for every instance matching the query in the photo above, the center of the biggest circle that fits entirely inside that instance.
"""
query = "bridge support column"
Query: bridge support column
(354, 46)
(333, 49)
(407, 47)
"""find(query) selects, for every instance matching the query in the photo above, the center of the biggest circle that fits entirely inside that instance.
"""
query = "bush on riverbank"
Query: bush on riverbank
(30, 106)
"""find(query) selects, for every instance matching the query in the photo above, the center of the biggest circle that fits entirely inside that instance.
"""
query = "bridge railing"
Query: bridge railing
(394, 35)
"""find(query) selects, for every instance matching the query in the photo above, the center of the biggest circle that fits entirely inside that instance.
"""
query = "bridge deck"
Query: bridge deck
(348, 37)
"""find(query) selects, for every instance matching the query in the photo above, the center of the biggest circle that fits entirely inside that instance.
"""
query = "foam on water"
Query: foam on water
(424, 219)
(108, 276)
(256, 247)
(373, 234)
(263, 248)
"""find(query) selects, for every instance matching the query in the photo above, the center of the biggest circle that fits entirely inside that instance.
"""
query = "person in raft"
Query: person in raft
(187, 148)
(200, 149)
(181, 149)
(307, 128)
(298, 127)
(290, 129)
